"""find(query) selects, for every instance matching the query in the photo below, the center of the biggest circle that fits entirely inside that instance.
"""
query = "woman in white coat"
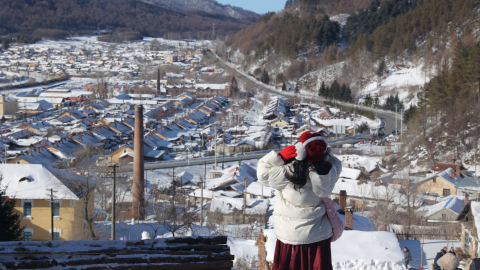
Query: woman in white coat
(302, 175)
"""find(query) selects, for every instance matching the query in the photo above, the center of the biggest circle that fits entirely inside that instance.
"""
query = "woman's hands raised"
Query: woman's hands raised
(288, 153)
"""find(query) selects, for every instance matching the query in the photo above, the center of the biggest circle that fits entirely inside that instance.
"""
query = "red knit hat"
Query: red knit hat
(311, 146)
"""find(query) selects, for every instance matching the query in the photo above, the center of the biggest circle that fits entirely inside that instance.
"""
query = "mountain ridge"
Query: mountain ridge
(146, 19)
(210, 6)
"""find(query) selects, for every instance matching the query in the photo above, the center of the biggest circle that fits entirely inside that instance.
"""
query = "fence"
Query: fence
(429, 234)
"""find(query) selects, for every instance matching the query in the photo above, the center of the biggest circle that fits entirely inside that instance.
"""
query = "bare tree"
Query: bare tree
(85, 184)
(387, 204)
(174, 215)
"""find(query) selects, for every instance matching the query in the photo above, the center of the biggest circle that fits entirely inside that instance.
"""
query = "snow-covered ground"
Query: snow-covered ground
(357, 250)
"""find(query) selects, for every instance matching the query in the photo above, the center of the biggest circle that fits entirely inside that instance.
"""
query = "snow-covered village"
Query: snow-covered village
(207, 134)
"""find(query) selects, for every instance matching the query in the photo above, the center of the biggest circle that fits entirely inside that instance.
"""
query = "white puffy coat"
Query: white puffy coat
(299, 216)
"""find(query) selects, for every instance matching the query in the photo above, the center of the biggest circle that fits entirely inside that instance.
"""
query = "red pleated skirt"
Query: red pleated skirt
(315, 256)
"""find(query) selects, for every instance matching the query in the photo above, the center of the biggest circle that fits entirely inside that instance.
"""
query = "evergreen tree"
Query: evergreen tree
(376, 101)
(5, 44)
(343, 93)
(297, 90)
(234, 85)
(284, 87)
(9, 218)
(322, 91)
(335, 90)
(367, 100)
(381, 68)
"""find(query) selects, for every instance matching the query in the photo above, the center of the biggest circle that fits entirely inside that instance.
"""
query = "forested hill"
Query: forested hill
(210, 6)
(26, 16)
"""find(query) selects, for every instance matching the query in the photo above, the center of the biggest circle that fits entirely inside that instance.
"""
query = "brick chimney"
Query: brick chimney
(458, 170)
(466, 198)
(138, 199)
(56, 143)
(343, 201)
(384, 163)
(452, 175)
(378, 183)
(348, 165)
(349, 219)
(213, 167)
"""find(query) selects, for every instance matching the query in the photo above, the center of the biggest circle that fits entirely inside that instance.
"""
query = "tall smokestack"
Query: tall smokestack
(138, 200)
(343, 201)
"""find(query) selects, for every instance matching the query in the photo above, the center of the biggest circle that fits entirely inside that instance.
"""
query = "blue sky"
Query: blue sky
(258, 6)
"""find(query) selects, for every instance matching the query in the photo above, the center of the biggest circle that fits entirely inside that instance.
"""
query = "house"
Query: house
(442, 183)
(443, 211)
(36, 126)
(470, 217)
(73, 114)
(280, 122)
(234, 178)
(234, 211)
(39, 155)
(8, 106)
(29, 185)
(64, 149)
(469, 185)
(258, 191)
(35, 107)
(459, 168)
(124, 154)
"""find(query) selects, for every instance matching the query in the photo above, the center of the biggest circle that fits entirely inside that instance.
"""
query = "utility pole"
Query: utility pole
(401, 122)
(51, 210)
(201, 194)
(244, 198)
(6, 149)
(396, 125)
(215, 146)
(114, 200)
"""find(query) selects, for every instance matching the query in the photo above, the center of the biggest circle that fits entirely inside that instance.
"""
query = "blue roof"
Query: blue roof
(468, 181)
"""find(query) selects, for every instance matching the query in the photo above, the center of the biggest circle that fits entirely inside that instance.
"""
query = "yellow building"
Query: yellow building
(442, 183)
(8, 106)
(30, 185)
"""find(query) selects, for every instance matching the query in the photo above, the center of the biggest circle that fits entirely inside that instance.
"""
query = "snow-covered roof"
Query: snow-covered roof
(31, 181)
(256, 188)
(228, 205)
(349, 173)
(475, 206)
(454, 204)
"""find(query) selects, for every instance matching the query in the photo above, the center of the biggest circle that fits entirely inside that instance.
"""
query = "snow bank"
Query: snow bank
(357, 250)
(242, 248)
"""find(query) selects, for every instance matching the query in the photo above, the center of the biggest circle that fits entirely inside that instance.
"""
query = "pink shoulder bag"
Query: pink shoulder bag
(335, 220)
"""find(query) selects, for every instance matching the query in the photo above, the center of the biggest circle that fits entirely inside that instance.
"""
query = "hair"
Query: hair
(301, 170)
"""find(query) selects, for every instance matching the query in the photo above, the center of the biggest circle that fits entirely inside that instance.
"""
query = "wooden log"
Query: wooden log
(141, 259)
(190, 266)
(198, 240)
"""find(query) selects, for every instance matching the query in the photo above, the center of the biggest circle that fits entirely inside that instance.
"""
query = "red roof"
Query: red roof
(442, 166)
